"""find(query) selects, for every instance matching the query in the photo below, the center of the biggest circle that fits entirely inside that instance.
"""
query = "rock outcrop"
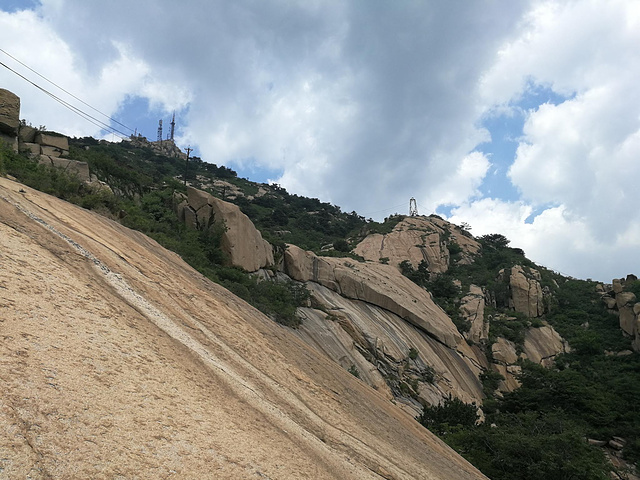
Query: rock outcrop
(241, 241)
(377, 284)
(472, 310)
(625, 305)
(114, 348)
(543, 344)
(525, 291)
(9, 118)
(418, 239)
(369, 316)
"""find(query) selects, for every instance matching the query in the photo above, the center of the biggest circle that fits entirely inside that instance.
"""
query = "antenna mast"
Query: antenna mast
(173, 125)
(413, 207)
(160, 131)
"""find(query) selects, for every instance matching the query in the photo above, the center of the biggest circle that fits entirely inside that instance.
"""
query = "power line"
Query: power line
(384, 210)
(65, 91)
(74, 109)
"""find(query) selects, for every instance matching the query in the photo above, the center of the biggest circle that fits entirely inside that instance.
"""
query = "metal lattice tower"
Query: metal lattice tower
(160, 131)
(173, 125)
(413, 207)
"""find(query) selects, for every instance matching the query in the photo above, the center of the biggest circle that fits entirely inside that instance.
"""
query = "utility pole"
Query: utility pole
(186, 166)
(173, 125)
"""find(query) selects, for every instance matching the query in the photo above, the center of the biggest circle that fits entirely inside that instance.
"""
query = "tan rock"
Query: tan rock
(625, 299)
(241, 240)
(542, 345)
(9, 113)
(27, 134)
(50, 151)
(627, 320)
(510, 382)
(124, 362)
(504, 351)
(205, 217)
(197, 198)
(81, 169)
(378, 284)
(416, 239)
(525, 290)
(636, 308)
(616, 285)
(59, 142)
(190, 218)
(472, 309)
(610, 302)
(32, 148)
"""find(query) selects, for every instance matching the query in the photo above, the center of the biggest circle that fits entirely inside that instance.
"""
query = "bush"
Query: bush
(452, 414)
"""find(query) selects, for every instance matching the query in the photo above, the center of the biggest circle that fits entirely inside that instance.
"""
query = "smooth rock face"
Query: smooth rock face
(472, 309)
(624, 304)
(27, 134)
(9, 113)
(241, 240)
(353, 328)
(504, 351)
(525, 290)
(416, 239)
(541, 345)
(380, 285)
(124, 362)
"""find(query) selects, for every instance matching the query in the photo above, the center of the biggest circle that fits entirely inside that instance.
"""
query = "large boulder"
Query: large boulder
(472, 310)
(418, 239)
(525, 291)
(542, 345)
(240, 240)
(53, 143)
(377, 284)
(9, 113)
(504, 351)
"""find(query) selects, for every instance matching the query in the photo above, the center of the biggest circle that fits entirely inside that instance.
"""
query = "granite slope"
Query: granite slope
(120, 361)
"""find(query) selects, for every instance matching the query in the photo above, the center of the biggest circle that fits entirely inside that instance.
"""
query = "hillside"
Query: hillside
(122, 361)
(525, 372)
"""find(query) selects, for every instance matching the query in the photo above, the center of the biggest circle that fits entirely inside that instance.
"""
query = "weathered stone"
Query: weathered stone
(525, 291)
(27, 134)
(32, 148)
(600, 288)
(610, 302)
(50, 151)
(416, 239)
(81, 169)
(625, 299)
(541, 345)
(197, 198)
(636, 308)
(59, 142)
(616, 285)
(378, 284)
(628, 320)
(241, 240)
(510, 382)
(9, 113)
(472, 309)
(180, 208)
(504, 351)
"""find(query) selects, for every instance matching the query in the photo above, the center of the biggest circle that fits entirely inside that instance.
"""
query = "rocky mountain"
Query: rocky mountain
(414, 317)
(121, 361)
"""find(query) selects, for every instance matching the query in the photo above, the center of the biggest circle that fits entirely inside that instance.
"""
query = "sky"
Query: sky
(520, 118)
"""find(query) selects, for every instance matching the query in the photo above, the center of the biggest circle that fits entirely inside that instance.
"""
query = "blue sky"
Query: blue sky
(516, 117)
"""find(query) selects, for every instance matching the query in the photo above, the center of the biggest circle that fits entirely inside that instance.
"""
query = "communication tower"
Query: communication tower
(413, 207)
(160, 131)
(173, 125)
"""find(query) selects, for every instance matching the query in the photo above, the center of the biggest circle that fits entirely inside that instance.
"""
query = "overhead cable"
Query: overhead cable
(65, 91)
(74, 109)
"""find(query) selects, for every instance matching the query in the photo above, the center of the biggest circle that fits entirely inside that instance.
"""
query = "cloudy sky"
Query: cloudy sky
(521, 118)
